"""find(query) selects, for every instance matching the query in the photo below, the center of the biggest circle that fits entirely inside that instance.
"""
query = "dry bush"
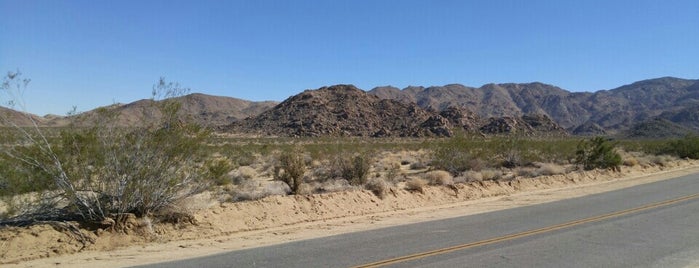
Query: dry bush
(290, 169)
(661, 160)
(335, 185)
(527, 172)
(243, 174)
(471, 175)
(548, 169)
(353, 169)
(631, 162)
(416, 185)
(392, 172)
(418, 166)
(439, 177)
(254, 190)
(378, 186)
(491, 174)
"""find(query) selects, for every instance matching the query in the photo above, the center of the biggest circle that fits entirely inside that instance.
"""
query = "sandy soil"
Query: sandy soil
(278, 219)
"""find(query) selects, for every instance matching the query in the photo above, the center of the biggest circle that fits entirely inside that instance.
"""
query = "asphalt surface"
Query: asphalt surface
(664, 235)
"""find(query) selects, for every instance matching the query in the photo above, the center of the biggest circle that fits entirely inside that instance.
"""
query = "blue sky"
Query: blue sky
(94, 53)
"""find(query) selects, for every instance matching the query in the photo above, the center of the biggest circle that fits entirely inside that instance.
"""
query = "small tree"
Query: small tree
(598, 152)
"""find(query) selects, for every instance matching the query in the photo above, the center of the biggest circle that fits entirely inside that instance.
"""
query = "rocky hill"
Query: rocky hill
(341, 110)
(611, 111)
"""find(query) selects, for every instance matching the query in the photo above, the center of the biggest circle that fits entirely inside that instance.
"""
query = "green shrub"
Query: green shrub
(217, 169)
(598, 152)
(687, 147)
(455, 155)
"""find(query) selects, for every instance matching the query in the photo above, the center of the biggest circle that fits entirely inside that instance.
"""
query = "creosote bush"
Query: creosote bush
(598, 152)
(108, 171)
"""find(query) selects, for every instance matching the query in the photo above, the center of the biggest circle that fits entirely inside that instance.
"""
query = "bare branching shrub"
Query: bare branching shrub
(439, 177)
(378, 186)
(106, 170)
(290, 169)
(392, 172)
(354, 169)
(416, 185)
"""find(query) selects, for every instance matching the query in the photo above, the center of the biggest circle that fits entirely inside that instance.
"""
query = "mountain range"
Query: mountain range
(640, 109)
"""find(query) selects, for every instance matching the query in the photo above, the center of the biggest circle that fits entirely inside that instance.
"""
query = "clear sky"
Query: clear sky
(93, 53)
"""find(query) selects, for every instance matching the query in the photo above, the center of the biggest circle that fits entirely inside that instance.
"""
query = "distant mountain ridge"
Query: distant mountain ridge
(635, 110)
(613, 110)
(203, 109)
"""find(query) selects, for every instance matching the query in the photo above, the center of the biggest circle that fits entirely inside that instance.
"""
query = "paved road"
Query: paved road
(633, 227)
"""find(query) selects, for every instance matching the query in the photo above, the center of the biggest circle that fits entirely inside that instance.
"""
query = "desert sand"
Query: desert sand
(272, 220)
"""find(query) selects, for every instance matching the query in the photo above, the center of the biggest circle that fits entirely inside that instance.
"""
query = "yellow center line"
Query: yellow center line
(525, 234)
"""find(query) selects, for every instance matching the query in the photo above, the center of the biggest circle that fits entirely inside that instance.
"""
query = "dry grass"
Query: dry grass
(439, 177)
(631, 162)
(548, 169)
(416, 184)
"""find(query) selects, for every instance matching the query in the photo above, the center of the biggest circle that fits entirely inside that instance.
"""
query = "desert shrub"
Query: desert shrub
(439, 177)
(455, 155)
(290, 168)
(354, 169)
(377, 186)
(243, 174)
(491, 174)
(254, 190)
(392, 172)
(526, 172)
(335, 185)
(631, 162)
(416, 185)
(471, 175)
(598, 152)
(687, 147)
(660, 160)
(217, 169)
(108, 170)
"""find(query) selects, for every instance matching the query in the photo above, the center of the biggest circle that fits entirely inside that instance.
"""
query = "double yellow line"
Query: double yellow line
(526, 233)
